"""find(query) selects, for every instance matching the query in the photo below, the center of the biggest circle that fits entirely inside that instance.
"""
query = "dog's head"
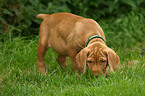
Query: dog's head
(97, 56)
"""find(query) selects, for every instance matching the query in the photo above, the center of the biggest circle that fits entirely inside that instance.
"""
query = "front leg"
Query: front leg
(61, 60)
(72, 54)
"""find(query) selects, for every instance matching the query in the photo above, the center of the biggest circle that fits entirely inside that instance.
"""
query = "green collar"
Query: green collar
(92, 37)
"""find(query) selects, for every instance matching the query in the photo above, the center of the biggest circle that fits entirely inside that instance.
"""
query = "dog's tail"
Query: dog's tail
(41, 16)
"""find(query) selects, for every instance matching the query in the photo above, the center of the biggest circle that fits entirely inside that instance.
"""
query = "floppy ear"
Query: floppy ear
(113, 60)
(81, 59)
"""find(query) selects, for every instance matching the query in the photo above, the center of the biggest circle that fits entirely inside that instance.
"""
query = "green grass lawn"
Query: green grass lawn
(18, 57)
(19, 76)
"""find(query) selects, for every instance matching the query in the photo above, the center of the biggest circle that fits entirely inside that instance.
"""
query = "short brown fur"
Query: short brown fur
(67, 35)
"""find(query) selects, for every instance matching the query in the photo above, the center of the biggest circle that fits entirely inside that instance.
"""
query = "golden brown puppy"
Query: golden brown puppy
(67, 34)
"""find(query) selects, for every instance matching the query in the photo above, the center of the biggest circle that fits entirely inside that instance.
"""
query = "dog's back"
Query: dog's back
(57, 18)
(62, 23)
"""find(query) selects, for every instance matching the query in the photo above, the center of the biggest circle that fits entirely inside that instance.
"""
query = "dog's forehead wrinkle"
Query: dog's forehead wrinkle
(96, 55)
(94, 52)
(102, 58)
(90, 54)
(90, 59)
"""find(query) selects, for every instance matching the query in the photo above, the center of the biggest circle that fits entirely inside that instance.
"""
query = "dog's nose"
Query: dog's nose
(96, 76)
(107, 75)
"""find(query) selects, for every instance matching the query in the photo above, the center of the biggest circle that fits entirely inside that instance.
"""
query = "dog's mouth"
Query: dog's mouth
(101, 75)
(96, 73)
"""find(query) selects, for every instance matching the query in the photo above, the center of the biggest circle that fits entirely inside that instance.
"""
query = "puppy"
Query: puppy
(79, 38)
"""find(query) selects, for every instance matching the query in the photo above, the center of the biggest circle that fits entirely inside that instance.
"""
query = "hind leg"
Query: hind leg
(42, 48)
(61, 60)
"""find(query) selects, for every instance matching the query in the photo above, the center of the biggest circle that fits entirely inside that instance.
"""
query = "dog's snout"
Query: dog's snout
(96, 76)
(107, 75)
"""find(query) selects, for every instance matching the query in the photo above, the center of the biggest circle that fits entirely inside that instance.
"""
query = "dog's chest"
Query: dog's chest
(59, 46)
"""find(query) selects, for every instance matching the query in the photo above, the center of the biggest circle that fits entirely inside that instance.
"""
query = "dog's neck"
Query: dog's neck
(96, 40)
(96, 37)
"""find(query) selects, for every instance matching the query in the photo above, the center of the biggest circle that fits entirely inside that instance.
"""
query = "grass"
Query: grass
(19, 74)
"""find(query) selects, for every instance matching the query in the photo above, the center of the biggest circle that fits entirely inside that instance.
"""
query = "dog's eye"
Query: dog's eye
(103, 61)
(90, 62)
